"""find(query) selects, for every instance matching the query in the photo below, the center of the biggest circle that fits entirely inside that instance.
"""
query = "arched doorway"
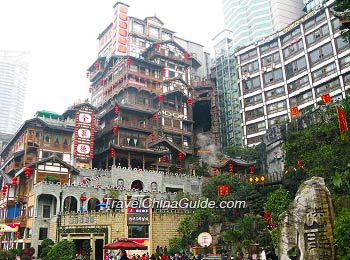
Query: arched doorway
(47, 205)
(70, 204)
(92, 204)
(137, 185)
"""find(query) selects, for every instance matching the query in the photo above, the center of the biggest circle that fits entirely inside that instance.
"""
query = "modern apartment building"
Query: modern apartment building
(13, 74)
(251, 20)
(227, 88)
(286, 75)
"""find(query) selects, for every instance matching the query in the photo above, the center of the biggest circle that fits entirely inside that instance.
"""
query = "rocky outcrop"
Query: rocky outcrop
(306, 227)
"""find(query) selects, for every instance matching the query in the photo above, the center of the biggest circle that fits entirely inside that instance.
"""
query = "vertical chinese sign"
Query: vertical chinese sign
(84, 136)
(120, 29)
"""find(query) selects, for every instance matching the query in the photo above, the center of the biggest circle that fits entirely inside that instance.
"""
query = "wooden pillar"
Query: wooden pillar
(129, 160)
(143, 161)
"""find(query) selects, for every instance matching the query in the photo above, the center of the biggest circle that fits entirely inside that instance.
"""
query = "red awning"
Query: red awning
(125, 244)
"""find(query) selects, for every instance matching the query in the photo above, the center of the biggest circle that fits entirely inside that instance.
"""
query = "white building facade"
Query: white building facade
(290, 71)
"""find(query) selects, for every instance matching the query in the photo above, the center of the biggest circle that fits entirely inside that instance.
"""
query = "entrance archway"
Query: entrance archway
(70, 204)
(92, 204)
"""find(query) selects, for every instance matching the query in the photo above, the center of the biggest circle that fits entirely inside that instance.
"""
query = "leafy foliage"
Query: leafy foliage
(175, 245)
(63, 250)
(46, 246)
(342, 235)
(342, 5)
(52, 179)
(277, 202)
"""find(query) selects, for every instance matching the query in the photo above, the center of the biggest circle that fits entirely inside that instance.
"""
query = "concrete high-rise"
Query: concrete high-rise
(13, 75)
(251, 20)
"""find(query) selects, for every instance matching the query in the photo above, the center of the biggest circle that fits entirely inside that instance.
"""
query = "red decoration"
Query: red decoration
(82, 197)
(189, 101)
(180, 156)
(128, 61)
(97, 65)
(14, 181)
(116, 109)
(163, 159)
(300, 164)
(294, 111)
(343, 125)
(326, 98)
(111, 152)
(231, 167)
(267, 217)
(90, 90)
(160, 99)
(115, 129)
(164, 71)
(157, 46)
(251, 169)
(27, 172)
(153, 136)
(100, 82)
(223, 190)
(87, 74)
(155, 117)
(214, 171)
(17, 235)
(186, 55)
(105, 199)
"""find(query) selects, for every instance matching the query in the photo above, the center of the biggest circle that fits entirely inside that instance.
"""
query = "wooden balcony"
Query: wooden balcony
(22, 220)
(180, 59)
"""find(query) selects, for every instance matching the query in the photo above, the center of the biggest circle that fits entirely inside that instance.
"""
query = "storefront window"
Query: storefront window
(138, 231)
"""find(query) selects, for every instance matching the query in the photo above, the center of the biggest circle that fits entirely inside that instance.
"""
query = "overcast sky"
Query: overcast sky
(61, 38)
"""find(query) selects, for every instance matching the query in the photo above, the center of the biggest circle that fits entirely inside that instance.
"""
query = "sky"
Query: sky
(61, 37)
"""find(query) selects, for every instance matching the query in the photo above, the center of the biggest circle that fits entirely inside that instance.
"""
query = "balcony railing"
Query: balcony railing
(18, 220)
(171, 56)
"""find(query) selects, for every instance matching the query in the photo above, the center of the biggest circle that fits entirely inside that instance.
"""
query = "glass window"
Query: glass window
(46, 211)
(298, 84)
(345, 62)
(278, 120)
(295, 67)
(321, 53)
(253, 100)
(328, 87)
(250, 85)
(43, 233)
(294, 48)
(139, 28)
(317, 35)
(314, 21)
(268, 47)
(341, 43)
(324, 72)
(140, 231)
(336, 25)
(277, 107)
(274, 93)
(273, 58)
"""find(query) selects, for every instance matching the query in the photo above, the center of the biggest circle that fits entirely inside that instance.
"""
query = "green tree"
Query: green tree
(341, 6)
(342, 235)
(46, 246)
(52, 179)
(63, 250)
(277, 202)
(175, 245)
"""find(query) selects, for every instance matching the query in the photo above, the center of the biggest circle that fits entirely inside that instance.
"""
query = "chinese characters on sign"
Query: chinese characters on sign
(120, 29)
(294, 111)
(205, 239)
(84, 133)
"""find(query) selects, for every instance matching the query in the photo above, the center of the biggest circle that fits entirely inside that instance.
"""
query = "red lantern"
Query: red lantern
(111, 152)
(105, 199)
(97, 65)
(189, 101)
(300, 164)
(180, 156)
(128, 61)
(186, 55)
(251, 169)
(160, 99)
(223, 190)
(155, 117)
(115, 129)
(214, 171)
(100, 82)
(153, 136)
(157, 46)
(164, 71)
(83, 198)
(27, 172)
(87, 74)
(14, 181)
(163, 159)
(231, 167)
(116, 109)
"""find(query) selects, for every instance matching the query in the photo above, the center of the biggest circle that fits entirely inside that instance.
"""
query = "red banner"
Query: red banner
(342, 120)
(326, 98)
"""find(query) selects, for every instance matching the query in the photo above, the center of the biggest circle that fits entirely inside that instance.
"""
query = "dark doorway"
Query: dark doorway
(70, 204)
(83, 248)
(99, 249)
(137, 185)
(136, 163)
